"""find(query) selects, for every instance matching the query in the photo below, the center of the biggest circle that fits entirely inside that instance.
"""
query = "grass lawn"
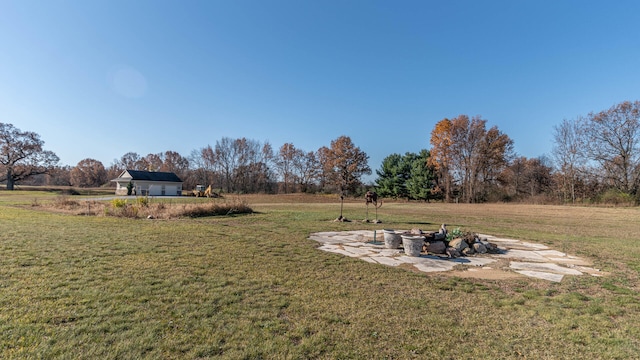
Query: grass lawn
(254, 287)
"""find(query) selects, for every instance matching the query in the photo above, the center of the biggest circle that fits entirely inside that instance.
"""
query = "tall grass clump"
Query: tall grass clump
(143, 208)
(212, 209)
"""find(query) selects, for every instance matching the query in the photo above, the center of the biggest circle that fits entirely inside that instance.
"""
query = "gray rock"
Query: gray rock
(436, 247)
(480, 248)
(468, 251)
(491, 247)
(458, 244)
(452, 252)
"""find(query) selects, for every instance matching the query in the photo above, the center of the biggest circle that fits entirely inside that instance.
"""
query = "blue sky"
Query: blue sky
(97, 79)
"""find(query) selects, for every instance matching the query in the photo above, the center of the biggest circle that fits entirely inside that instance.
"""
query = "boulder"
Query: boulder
(429, 236)
(452, 252)
(480, 248)
(436, 247)
(491, 247)
(458, 244)
(468, 251)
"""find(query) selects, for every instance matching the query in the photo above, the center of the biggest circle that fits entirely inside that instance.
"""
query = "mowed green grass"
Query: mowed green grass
(254, 287)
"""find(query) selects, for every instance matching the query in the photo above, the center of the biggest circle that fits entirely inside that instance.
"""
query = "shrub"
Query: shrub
(119, 203)
(142, 201)
(617, 197)
(455, 233)
(212, 209)
(64, 202)
(129, 212)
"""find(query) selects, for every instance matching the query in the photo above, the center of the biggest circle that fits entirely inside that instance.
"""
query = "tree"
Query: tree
(392, 177)
(307, 170)
(174, 162)
(408, 176)
(421, 181)
(152, 162)
(440, 158)
(322, 155)
(226, 160)
(528, 177)
(88, 173)
(130, 161)
(60, 176)
(22, 155)
(204, 163)
(346, 164)
(287, 157)
(568, 152)
(464, 152)
(614, 143)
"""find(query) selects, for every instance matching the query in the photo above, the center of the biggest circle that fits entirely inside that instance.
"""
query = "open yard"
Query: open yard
(254, 287)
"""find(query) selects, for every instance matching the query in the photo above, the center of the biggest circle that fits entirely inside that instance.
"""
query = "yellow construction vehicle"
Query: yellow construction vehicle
(200, 191)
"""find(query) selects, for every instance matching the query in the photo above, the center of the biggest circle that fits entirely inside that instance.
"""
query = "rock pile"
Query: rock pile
(455, 245)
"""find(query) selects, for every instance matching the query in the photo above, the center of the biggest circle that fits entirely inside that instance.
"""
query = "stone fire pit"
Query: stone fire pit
(515, 258)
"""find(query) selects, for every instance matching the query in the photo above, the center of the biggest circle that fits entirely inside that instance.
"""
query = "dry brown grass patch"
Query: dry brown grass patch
(144, 209)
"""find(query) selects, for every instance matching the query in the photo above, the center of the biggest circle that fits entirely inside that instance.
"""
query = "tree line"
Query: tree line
(595, 158)
(230, 165)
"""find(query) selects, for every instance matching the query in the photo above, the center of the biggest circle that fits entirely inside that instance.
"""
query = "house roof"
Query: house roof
(150, 176)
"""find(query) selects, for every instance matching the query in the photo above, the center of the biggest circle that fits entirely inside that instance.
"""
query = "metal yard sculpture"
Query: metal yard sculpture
(341, 218)
(371, 197)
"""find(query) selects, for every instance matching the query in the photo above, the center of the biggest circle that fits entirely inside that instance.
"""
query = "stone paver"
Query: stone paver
(525, 258)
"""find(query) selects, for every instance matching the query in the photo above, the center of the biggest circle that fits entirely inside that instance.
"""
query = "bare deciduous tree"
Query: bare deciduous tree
(88, 173)
(568, 153)
(287, 157)
(614, 143)
(22, 155)
(307, 169)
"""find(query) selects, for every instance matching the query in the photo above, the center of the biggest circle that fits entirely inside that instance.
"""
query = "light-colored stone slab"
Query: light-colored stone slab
(473, 261)
(545, 267)
(521, 254)
(341, 252)
(551, 253)
(437, 265)
(329, 247)
(389, 252)
(501, 240)
(389, 261)
(356, 251)
(541, 275)
(586, 269)
(326, 240)
(530, 245)
(485, 236)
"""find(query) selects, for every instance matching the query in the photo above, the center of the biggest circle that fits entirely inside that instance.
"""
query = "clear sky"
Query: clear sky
(99, 78)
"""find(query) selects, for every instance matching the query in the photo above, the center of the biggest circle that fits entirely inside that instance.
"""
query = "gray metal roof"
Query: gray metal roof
(151, 176)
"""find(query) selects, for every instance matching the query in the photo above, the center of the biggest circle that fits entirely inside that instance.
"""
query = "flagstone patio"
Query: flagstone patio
(517, 258)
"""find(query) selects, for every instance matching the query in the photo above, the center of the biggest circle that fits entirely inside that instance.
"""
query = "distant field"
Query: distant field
(253, 286)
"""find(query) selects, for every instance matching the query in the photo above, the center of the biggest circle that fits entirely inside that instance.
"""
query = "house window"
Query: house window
(163, 190)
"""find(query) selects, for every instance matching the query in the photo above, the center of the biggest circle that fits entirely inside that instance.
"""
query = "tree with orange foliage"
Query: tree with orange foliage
(346, 164)
(464, 152)
(440, 155)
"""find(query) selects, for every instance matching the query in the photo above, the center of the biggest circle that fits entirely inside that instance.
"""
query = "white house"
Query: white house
(148, 183)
